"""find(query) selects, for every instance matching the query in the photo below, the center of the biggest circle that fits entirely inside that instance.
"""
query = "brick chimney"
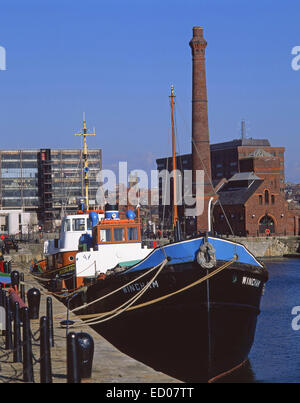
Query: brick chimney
(200, 132)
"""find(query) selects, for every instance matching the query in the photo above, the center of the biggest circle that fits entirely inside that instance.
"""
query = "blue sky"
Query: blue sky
(116, 60)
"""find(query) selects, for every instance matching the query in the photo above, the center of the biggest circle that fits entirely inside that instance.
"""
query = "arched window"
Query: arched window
(260, 199)
(266, 197)
(266, 223)
(273, 199)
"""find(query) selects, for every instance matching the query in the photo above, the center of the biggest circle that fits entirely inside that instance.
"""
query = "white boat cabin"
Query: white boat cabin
(72, 227)
(115, 242)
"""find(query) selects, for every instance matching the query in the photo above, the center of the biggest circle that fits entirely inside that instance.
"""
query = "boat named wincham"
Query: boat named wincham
(188, 309)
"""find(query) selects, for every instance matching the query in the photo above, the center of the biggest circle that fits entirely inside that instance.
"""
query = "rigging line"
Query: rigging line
(179, 156)
(209, 178)
(165, 195)
(167, 169)
(205, 170)
(68, 187)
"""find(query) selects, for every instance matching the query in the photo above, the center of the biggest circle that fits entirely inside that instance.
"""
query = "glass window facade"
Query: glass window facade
(68, 177)
(18, 179)
(24, 184)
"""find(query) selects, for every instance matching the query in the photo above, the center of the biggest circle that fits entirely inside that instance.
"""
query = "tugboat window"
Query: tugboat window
(78, 224)
(132, 234)
(105, 235)
(119, 234)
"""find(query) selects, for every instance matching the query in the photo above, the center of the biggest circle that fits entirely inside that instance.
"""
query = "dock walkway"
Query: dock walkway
(109, 364)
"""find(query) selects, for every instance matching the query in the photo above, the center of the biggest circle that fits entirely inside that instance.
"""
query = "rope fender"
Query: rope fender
(206, 256)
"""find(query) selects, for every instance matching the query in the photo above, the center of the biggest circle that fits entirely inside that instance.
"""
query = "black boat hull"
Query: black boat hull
(195, 335)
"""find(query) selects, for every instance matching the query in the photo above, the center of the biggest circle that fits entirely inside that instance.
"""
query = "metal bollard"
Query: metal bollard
(85, 349)
(73, 373)
(33, 299)
(17, 334)
(22, 287)
(27, 347)
(8, 330)
(15, 278)
(45, 354)
(50, 321)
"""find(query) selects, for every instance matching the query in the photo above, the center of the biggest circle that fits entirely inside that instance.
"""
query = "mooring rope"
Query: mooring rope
(129, 307)
(126, 305)
(114, 291)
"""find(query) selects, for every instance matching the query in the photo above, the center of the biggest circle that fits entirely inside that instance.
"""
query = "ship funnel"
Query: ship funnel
(111, 212)
(93, 216)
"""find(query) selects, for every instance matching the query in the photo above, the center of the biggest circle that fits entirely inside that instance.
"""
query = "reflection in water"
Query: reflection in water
(275, 355)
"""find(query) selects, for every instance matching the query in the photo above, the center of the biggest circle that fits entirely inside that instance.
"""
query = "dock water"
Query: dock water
(109, 364)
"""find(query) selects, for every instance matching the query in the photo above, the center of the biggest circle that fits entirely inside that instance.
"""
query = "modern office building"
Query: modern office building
(47, 181)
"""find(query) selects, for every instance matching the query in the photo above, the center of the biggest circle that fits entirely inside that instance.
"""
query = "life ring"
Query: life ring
(267, 231)
(206, 256)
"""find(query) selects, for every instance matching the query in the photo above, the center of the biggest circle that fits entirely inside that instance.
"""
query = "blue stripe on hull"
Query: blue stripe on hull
(186, 251)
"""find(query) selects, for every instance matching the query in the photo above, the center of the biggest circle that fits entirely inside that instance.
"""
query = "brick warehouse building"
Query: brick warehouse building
(250, 189)
(227, 159)
(254, 202)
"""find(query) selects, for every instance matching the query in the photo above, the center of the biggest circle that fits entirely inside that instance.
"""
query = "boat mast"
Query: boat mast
(175, 211)
(85, 158)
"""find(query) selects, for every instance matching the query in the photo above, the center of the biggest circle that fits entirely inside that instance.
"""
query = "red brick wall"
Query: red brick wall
(256, 208)
(268, 200)
(277, 152)
(236, 217)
